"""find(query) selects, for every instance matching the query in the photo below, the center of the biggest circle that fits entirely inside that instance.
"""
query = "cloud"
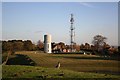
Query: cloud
(86, 4)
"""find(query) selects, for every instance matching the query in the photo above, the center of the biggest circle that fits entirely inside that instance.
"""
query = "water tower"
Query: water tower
(47, 43)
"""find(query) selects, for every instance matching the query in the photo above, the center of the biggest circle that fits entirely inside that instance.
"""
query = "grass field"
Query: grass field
(72, 65)
(17, 71)
(75, 62)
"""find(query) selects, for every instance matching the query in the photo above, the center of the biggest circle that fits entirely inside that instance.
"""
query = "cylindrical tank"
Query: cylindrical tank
(47, 43)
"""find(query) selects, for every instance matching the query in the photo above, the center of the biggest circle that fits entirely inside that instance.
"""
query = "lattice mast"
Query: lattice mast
(72, 33)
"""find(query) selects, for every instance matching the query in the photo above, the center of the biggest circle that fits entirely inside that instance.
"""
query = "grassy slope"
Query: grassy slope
(17, 71)
(76, 62)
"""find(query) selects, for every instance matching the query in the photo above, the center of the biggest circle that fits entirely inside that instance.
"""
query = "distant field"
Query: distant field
(75, 62)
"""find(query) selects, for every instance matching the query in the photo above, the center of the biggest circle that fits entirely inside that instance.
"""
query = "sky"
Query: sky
(32, 20)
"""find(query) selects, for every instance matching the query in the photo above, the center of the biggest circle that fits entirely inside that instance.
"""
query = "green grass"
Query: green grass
(17, 71)
(75, 62)
(72, 65)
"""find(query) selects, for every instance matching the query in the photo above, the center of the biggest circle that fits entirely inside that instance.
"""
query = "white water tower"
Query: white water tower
(47, 43)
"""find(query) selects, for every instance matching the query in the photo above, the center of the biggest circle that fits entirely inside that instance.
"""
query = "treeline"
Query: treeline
(105, 49)
(19, 45)
(27, 45)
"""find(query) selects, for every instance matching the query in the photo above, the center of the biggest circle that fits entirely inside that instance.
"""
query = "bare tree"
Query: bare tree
(40, 44)
(98, 41)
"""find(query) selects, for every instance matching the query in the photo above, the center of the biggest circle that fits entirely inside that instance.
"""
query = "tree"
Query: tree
(28, 45)
(18, 46)
(106, 46)
(98, 41)
(92, 47)
(40, 45)
(82, 46)
(7, 46)
(87, 46)
(77, 47)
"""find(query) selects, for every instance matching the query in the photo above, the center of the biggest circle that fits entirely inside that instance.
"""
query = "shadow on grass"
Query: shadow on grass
(107, 72)
(20, 60)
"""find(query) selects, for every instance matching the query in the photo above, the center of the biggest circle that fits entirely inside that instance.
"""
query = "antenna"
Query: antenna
(72, 33)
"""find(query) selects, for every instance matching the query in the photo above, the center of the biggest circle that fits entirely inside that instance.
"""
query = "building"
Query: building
(47, 43)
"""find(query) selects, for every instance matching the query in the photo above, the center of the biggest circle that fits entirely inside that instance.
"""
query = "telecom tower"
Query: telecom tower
(72, 33)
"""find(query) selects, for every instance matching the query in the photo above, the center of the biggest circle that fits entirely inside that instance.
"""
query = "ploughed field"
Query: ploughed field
(74, 62)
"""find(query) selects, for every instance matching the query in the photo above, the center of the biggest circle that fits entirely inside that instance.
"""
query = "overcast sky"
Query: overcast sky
(25, 20)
